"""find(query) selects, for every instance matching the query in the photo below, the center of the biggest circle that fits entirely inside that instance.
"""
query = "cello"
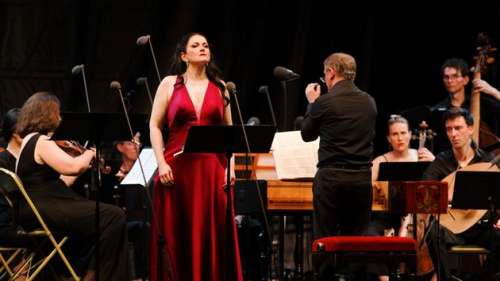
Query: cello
(482, 135)
(424, 260)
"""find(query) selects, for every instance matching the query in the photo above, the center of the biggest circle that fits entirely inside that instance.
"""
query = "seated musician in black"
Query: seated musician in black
(458, 124)
(40, 164)
(8, 161)
(455, 73)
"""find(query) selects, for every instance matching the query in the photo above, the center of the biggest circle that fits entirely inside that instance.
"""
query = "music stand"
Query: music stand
(96, 128)
(399, 173)
(468, 195)
(414, 195)
(228, 139)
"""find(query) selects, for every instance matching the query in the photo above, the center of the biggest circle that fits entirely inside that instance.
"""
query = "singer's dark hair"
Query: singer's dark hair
(178, 67)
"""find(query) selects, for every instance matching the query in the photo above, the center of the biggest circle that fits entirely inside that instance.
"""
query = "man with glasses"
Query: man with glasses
(344, 119)
(455, 74)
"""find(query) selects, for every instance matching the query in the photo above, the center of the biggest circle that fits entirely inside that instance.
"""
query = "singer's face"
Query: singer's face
(197, 50)
(399, 136)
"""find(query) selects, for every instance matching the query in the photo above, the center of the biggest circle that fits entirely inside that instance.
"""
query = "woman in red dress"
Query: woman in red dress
(189, 197)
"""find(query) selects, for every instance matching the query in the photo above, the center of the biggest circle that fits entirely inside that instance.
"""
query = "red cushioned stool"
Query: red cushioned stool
(390, 251)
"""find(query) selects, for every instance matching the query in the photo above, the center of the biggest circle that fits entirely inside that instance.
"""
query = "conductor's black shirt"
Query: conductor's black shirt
(344, 119)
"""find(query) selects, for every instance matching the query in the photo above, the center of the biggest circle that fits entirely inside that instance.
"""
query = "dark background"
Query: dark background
(398, 47)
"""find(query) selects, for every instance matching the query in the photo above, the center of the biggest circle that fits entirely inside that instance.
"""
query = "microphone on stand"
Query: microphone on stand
(115, 85)
(265, 90)
(231, 87)
(77, 69)
(144, 81)
(253, 121)
(146, 39)
(283, 73)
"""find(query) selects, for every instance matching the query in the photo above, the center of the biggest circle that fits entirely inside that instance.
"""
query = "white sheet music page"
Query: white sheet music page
(294, 158)
(149, 165)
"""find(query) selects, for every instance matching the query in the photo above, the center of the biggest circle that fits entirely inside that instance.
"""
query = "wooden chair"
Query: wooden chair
(12, 187)
(470, 258)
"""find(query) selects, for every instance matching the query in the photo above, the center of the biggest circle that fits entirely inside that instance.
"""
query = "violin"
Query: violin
(75, 149)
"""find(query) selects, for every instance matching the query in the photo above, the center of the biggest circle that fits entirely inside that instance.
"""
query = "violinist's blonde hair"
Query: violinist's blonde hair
(395, 118)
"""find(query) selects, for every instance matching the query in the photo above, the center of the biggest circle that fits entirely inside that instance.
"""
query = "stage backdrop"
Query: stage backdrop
(399, 48)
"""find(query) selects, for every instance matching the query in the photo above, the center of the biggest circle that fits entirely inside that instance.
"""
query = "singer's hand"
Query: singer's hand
(313, 91)
(165, 173)
(425, 155)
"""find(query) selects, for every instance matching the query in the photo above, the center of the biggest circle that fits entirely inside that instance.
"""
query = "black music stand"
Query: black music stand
(398, 173)
(228, 140)
(96, 128)
(468, 195)
(414, 195)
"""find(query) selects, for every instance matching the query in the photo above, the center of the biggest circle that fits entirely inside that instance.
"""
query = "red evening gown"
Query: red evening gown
(192, 212)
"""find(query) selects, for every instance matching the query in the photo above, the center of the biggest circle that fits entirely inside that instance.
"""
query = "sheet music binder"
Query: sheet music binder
(149, 164)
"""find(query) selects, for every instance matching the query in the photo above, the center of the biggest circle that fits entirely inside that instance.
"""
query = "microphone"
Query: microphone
(77, 69)
(265, 90)
(115, 85)
(146, 39)
(283, 73)
(144, 81)
(253, 121)
(143, 40)
(141, 80)
(231, 87)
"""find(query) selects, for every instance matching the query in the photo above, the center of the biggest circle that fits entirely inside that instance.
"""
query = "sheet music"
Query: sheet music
(293, 157)
(149, 165)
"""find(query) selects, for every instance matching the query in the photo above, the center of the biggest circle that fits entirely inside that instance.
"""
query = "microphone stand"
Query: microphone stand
(259, 194)
(161, 238)
(285, 104)
(77, 69)
(147, 39)
(144, 81)
(265, 89)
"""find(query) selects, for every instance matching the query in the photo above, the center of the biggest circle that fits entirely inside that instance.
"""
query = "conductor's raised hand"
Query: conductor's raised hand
(313, 91)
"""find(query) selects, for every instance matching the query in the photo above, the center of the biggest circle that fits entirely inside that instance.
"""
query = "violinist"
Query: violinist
(464, 152)
(399, 136)
(9, 155)
(40, 163)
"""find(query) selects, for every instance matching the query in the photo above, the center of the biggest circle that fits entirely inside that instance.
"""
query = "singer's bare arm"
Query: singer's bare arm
(160, 105)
